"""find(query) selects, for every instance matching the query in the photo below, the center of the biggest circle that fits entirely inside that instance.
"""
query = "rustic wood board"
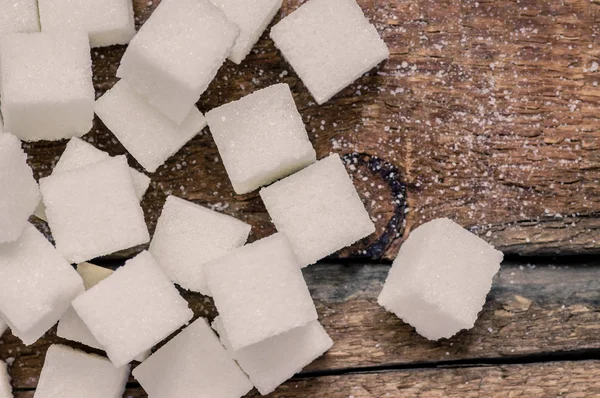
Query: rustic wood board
(486, 111)
(534, 313)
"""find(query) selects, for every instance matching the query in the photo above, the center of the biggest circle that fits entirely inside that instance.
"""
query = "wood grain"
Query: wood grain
(486, 112)
(532, 312)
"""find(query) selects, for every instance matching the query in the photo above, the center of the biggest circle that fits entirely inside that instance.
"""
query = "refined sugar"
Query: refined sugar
(318, 209)
(19, 193)
(69, 373)
(107, 22)
(261, 138)
(177, 53)
(193, 364)
(93, 211)
(5, 388)
(78, 154)
(53, 97)
(150, 137)
(259, 291)
(188, 235)
(18, 16)
(271, 362)
(36, 285)
(133, 309)
(330, 44)
(252, 17)
(3, 327)
(427, 287)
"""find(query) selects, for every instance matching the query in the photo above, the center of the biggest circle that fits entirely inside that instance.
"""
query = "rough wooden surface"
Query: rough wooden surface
(486, 112)
(533, 313)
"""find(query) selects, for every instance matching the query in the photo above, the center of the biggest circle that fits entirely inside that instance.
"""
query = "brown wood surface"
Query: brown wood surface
(534, 313)
(486, 111)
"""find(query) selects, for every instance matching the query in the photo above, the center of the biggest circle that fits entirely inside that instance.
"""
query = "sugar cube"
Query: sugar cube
(107, 22)
(192, 365)
(177, 53)
(261, 138)
(18, 16)
(318, 209)
(259, 291)
(69, 373)
(271, 362)
(330, 44)
(53, 97)
(36, 285)
(187, 236)
(93, 211)
(150, 137)
(252, 17)
(19, 192)
(427, 287)
(133, 309)
(5, 388)
(79, 153)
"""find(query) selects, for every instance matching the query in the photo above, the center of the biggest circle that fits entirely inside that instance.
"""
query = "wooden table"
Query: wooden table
(487, 112)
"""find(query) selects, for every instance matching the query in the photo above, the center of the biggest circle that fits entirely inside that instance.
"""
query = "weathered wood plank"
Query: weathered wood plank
(570, 379)
(487, 112)
(530, 311)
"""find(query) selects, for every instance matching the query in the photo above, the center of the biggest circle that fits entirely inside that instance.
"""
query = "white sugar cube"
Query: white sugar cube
(318, 209)
(330, 44)
(69, 373)
(261, 138)
(18, 16)
(107, 22)
(252, 17)
(93, 210)
(194, 364)
(19, 192)
(271, 362)
(150, 137)
(5, 388)
(177, 53)
(52, 97)
(259, 291)
(36, 285)
(92, 274)
(133, 309)
(439, 281)
(188, 236)
(79, 153)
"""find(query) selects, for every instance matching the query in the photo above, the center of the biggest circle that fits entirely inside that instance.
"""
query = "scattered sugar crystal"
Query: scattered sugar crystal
(177, 53)
(19, 192)
(80, 153)
(318, 209)
(69, 373)
(93, 210)
(18, 16)
(107, 22)
(427, 287)
(150, 137)
(133, 309)
(252, 17)
(5, 388)
(36, 285)
(261, 138)
(192, 364)
(188, 235)
(330, 44)
(271, 362)
(259, 291)
(53, 97)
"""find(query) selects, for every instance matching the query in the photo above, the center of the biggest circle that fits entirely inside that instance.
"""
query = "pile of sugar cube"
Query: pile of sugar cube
(268, 328)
